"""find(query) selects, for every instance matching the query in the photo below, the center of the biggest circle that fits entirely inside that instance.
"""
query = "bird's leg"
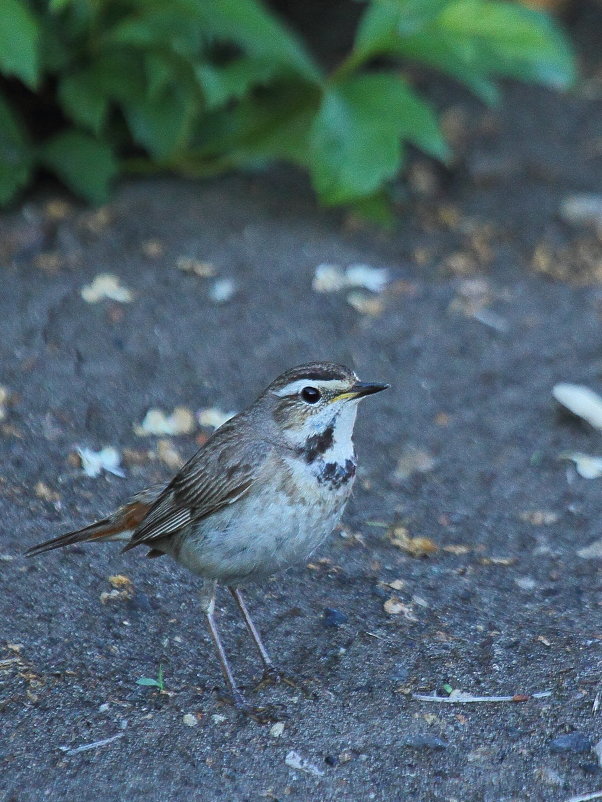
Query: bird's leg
(208, 606)
(270, 671)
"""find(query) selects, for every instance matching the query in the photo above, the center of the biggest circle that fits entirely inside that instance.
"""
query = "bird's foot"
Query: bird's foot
(262, 714)
(274, 676)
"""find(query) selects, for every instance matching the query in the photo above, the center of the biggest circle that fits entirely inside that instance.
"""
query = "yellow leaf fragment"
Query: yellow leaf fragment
(415, 546)
(120, 581)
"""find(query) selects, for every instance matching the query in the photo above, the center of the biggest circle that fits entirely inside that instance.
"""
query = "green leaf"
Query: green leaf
(249, 24)
(19, 34)
(356, 139)
(385, 20)
(16, 155)
(86, 165)
(451, 55)
(268, 126)
(232, 81)
(375, 209)
(162, 124)
(471, 40)
(159, 70)
(172, 26)
(148, 681)
(514, 40)
(84, 99)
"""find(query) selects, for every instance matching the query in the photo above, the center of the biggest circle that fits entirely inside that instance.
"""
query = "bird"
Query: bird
(262, 493)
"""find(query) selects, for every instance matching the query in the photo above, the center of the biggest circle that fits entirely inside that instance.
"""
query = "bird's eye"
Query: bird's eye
(311, 395)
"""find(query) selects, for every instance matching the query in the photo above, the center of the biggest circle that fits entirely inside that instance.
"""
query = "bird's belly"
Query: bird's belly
(259, 535)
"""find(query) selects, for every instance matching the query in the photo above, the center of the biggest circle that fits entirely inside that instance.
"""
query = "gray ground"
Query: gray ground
(512, 610)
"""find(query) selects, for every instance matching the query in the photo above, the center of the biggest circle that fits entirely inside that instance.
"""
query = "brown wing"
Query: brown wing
(221, 472)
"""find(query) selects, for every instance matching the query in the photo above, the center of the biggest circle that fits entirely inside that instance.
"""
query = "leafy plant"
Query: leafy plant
(95, 87)
(153, 683)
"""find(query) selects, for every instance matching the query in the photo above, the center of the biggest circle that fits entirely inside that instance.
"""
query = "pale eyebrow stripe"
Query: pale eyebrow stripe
(292, 388)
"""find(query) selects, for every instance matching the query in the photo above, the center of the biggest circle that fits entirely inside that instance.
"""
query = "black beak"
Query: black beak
(360, 389)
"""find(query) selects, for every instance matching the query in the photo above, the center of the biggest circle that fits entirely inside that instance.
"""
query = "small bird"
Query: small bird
(262, 493)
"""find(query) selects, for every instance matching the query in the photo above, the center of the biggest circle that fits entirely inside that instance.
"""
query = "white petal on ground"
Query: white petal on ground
(588, 467)
(295, 761)
(328, 278)
(332, 278)
(582, 210)
(277, 729)
(365, 304)
(3, 399)
(213, 417)
(106, 285)
(413, 460)
(370, 278)
(591, 552)
(181, 421)
(95, 462)
(222, 290)
(581, 401)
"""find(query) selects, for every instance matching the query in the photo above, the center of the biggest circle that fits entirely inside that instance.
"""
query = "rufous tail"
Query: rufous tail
(119, 526)
(107, 529)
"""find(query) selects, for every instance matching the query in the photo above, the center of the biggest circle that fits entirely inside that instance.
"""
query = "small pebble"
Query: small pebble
(222, 290)
(572, 742)
(421, 741)
(141, 602)
(277, 729)
(400, 674)
(190, 720)
(333, 617)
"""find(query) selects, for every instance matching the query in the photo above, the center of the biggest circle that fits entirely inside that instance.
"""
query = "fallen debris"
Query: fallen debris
(416, 546)
(181, 421)
(473, 299)
(586, 466)
(169, 455)
(577, 742)
(365, 304)
(86, 747)
(295, 761)
(591, 552)
(332, 278)
(4, 396)
(222, 290)
(213, 417)
(201, 269)
(582, 210)
(586, 797)
(461, 697)
(539, 517)
(581, 401)
(95, 462)
(106, 286)
(46, 493)
(394, 606)
(413, 460)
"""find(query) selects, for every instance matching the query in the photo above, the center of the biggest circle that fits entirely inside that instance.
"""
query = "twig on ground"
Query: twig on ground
(460, 697)
(85, 747)
(586, 797)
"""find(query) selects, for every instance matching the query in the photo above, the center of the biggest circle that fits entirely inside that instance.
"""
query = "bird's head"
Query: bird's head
(315, 398)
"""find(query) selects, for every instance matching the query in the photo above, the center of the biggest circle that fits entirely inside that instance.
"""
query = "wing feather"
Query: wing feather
(220, 473)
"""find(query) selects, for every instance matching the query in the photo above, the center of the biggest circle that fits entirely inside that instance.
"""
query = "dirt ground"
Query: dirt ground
(493, 299)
